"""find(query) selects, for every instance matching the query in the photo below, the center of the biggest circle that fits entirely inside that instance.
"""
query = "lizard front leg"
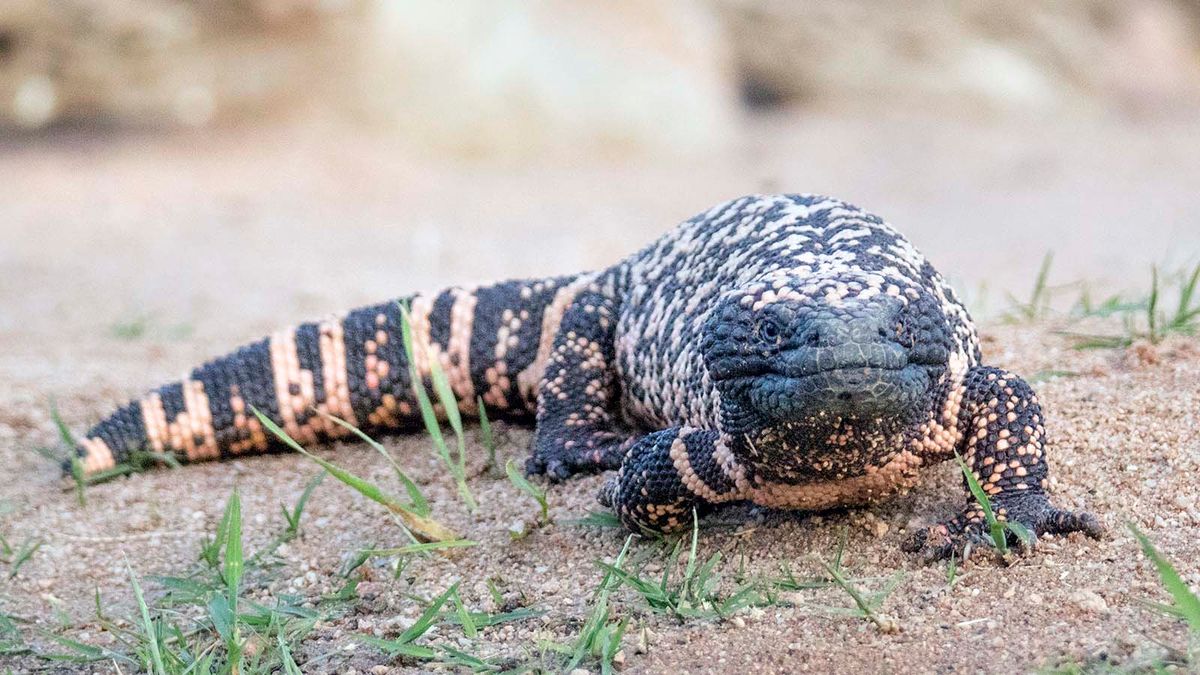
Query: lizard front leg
(577, 430)
(1003, 445)
(668, 475)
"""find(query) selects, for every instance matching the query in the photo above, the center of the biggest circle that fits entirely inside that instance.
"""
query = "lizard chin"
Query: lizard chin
(849, 392)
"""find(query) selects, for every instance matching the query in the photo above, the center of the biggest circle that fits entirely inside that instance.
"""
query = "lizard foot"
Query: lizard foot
(559, 460)
(1031, 510)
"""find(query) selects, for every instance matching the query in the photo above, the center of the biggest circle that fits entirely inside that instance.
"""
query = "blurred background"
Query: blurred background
(212, 168)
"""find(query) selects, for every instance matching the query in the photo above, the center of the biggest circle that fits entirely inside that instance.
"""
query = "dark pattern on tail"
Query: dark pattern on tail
(487, 341)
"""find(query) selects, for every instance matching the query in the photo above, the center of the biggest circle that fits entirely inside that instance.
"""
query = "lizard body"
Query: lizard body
(790, 350)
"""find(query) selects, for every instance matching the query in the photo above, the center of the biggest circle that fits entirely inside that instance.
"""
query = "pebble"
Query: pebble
(1089, 601)
(517, 529)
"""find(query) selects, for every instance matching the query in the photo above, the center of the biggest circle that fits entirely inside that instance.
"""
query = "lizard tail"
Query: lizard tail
(490, 341)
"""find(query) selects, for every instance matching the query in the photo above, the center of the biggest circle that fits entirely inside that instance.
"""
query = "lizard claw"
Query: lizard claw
(970, 531)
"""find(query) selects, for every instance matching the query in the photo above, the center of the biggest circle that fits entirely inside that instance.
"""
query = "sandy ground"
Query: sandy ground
(197, 243)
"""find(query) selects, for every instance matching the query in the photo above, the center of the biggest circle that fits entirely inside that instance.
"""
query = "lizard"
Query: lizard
(790, 350)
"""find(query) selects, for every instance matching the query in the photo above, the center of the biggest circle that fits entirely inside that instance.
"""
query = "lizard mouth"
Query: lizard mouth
(849, 391)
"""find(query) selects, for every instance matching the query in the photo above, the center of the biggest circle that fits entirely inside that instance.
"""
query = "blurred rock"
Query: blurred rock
(582, 77)
(517, 78)
(1033, 56)
(473, 77)
(155, 62)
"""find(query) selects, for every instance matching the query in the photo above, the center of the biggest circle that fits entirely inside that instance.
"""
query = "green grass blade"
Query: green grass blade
(997, 530)
(398, 648)
(593, 631)
(222, 617)
(866, 607)
(458, 465)
(429, 417)
(445, 394)
(1021, 532)
(428, 617)
(454, 657)
(464, 617)
(293, 518)
(421, 548)
(80, 652)
(418, 504)
(151, 635)
(425, 528)
(539, 495)
(1152, 306)
(483, 619)
(1187, 602)
(23, 555)
(1184, 314)
(67, 439)
(1038, 298)
(285, 656)
(485, 430)
(64, 432)
(234, 566)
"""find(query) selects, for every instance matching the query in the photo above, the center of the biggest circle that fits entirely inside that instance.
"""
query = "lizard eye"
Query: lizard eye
(769, 330)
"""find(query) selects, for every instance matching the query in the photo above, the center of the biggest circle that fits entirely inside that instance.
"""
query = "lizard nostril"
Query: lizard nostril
(812, 339)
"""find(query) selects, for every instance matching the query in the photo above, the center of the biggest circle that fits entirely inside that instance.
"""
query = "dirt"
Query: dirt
(126, 259)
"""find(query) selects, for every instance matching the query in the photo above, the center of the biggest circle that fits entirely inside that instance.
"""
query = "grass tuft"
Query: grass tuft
(293, 517)
(867, 605)
(1144, 318)
(17, 557)
(599, 639)
(694, 594)
(1038, 303)
(405, 645)
(205, 622)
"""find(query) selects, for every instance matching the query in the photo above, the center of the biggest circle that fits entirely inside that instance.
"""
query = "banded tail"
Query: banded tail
(491, 341)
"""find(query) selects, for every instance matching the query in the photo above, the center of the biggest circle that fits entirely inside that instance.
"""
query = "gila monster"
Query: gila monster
(793, 351)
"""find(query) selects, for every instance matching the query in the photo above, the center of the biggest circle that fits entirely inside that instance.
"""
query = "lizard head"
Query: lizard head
(826, 350)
